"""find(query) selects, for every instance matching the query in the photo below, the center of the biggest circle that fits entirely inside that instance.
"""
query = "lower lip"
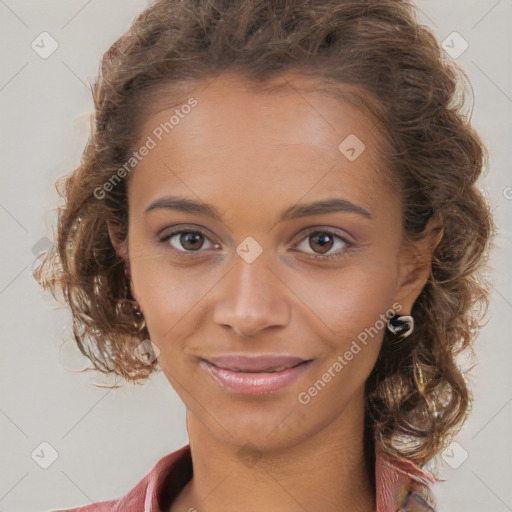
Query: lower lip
(255, 383)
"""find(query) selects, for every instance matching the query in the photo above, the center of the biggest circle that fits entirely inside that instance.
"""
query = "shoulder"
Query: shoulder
(147, 493)
(401, 485)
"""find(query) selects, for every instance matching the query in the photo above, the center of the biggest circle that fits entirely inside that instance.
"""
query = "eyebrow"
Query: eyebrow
(336, 204)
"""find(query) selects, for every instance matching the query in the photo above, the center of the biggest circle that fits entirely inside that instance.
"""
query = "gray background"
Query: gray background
(106, 440)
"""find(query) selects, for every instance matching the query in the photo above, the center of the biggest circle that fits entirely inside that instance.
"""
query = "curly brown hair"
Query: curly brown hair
(381, 60)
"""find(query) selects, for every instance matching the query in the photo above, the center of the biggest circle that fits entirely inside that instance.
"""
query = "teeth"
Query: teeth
(281, 368)
(273, 370)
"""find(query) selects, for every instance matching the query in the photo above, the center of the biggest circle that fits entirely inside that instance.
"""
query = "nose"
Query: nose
(253, 298)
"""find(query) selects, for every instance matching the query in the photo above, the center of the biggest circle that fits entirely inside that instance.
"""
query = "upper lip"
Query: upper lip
(255, 363)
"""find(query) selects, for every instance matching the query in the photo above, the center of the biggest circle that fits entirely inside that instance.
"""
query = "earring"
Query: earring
(401, 326)
(140, 323)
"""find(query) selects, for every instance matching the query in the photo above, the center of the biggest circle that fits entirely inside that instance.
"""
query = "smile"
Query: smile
(256, 382)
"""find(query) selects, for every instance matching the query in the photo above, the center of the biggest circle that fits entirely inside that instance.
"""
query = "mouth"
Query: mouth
(256, 375)
(256, 364)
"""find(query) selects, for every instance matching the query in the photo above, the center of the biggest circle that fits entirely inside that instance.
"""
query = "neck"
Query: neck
(329, 471)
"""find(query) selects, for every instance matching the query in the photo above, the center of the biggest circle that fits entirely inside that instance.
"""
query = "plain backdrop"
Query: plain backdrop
(104, 441)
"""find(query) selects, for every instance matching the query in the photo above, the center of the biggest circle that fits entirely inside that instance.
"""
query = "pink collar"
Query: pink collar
(399, 484)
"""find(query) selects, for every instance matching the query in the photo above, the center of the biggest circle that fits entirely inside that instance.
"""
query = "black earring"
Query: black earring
(401, 326)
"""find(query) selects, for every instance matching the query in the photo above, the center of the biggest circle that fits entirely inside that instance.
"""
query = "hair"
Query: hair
(371, 53)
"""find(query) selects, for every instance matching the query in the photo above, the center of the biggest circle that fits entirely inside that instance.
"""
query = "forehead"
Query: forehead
(292, 140)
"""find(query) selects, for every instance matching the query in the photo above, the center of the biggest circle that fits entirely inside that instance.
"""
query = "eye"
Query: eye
(187, 240)
(323, 241)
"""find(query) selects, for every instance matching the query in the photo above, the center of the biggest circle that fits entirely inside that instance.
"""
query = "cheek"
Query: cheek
(347, 302)
(353, 305)
(168, 297)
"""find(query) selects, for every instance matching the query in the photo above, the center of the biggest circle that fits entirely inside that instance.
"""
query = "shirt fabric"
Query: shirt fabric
(400, 485)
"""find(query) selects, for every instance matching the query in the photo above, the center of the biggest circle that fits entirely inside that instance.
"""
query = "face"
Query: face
(261, 279)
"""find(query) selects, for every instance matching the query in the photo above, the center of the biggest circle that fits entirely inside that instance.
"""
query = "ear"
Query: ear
(415, 264)
(120, 246)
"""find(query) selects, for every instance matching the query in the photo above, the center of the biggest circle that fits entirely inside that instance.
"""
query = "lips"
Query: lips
(256, 375)
(255, 364)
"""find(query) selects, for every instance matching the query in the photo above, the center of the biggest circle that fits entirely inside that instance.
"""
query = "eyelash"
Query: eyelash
(190, 254)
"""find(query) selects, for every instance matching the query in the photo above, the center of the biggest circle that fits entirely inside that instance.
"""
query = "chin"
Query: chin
(268, 427)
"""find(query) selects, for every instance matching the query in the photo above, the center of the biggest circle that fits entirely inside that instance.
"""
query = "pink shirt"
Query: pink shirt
(399, 486)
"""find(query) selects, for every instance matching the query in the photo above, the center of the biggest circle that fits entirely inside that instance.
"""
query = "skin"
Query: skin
(252, 155)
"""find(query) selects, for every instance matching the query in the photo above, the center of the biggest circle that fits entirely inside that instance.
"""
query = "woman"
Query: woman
(315, 157)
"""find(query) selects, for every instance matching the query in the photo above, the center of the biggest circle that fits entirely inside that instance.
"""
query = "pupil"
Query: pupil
(323, 239)
(192, 238)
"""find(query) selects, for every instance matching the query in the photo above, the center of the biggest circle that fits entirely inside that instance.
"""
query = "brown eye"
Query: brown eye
(321, 242)
(191, 241)
(186, 241)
